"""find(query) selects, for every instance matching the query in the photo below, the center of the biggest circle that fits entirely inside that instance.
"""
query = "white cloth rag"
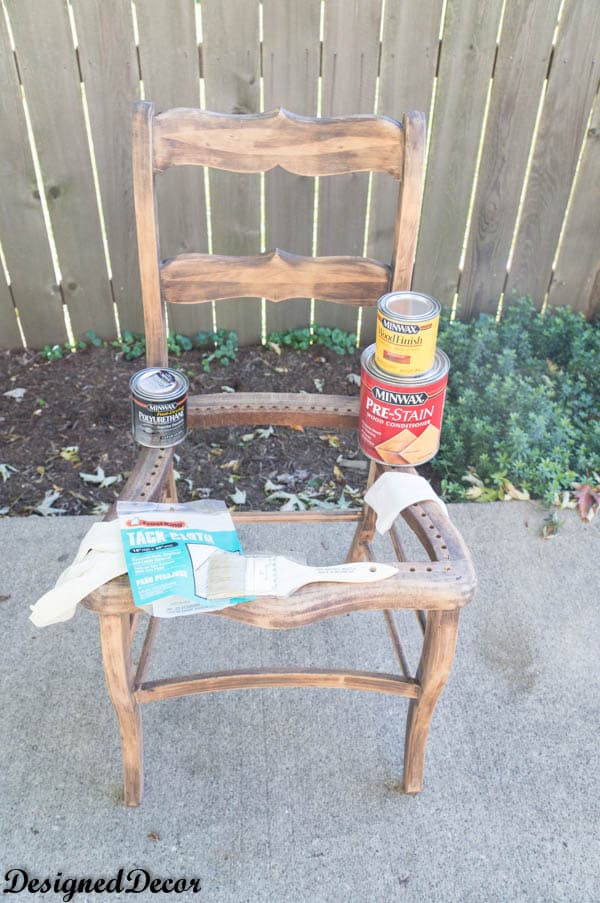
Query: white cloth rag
(99, 558)
(393, 492)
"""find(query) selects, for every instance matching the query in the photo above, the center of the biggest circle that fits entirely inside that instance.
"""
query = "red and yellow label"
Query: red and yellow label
(404, 347)
(400, 425)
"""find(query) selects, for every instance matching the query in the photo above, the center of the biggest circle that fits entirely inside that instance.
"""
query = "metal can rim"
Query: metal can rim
(181, 389)
(440, 368)
(434, 310)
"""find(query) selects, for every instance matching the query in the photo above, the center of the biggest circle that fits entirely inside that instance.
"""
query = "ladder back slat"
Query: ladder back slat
(258, 142)
(276, 275)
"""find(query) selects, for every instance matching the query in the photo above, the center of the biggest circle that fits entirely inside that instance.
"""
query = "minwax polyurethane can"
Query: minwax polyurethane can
(158, 406)
(407, 327)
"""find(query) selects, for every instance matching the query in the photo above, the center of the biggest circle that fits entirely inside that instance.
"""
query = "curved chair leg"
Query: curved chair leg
(115, 636)
(433, 671)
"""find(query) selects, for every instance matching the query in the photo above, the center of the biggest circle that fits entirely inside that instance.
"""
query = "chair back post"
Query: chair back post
(406, 230)
(147, 234)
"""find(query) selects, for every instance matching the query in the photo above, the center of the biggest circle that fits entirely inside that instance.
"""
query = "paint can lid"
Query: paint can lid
(409, 306)
(158, 384)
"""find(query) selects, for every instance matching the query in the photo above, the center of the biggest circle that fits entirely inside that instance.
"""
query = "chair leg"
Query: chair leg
(434, 668)
(115, 637)
(359, 549)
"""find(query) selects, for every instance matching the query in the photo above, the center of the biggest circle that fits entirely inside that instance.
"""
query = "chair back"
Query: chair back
(257, 143)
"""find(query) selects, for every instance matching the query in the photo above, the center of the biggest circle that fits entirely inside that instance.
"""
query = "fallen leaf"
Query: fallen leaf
(100, 508)
(154, 836)
(4, 598)
(17, 394)
(274, 347)
(331, 440)
(353, 378)
(227, 389)
(319, 383)
(588, 500)
(238, 497)
(338, 474)
(100, 478)
(520, 495)
(265, 433)
(474, 492)
(70, 453)
(233, 465)
(299, 428)
(247, 437)
(45, 506)
(5, 471)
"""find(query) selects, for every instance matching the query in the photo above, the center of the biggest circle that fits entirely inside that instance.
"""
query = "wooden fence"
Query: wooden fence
(511, 203)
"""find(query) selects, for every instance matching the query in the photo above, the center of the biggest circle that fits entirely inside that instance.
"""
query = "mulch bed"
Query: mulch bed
(74, 417)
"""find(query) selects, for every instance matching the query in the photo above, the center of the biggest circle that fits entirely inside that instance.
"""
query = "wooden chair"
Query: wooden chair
(435, 589)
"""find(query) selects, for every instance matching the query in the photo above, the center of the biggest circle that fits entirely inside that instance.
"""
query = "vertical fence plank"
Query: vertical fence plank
(231, 63)
(408, 61)
(9, 331)
(50, 76)
(22, 230)
(171, 76)
(466, 62)
(108, 61)
(572, 85)
(576, 278)
(350, 60)
(521, 66)
(291, 59)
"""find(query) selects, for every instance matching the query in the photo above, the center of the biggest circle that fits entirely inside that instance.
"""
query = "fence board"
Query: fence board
(22, 230)
(577, 276)
(48, 67)
(350, 59)
(572, 85)
(171, 76)
(466, 62)
(109, 68)
(408, 62)
(231, 62)
(521, 66)
(291, 59)
(9, 331)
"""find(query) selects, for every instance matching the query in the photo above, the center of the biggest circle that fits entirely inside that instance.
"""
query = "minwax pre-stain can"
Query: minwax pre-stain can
(400, 417)
(158, 406)
(407, 327)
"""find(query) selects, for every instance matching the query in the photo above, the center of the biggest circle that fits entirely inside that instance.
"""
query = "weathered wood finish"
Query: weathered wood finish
(169, 67)
(258, 142)
(291, 59)
(466, 64)
(147, 235)
(373, 681)
(576, 279)
(109, 69)
(521, 66)
(26, 249)
(350, 59)
(406, 230)
(433, 672)
(276, 275)
(441, 586)
(62, 147)
(572, 88)
(272, 408)
(118, 669)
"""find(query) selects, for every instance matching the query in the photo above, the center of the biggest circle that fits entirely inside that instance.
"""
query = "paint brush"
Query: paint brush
(231, 575)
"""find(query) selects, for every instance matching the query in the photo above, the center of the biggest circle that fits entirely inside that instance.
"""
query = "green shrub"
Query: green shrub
(523, 401)
(327, 337)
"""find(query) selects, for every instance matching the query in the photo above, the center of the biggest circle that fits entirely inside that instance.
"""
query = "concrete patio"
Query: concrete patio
(296, 795)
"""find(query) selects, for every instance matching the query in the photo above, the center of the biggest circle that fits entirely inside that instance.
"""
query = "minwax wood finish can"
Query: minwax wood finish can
(407, 327)
(400, 417)
(158, 406)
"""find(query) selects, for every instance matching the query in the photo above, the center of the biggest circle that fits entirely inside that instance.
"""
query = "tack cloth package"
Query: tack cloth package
(167, 548)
